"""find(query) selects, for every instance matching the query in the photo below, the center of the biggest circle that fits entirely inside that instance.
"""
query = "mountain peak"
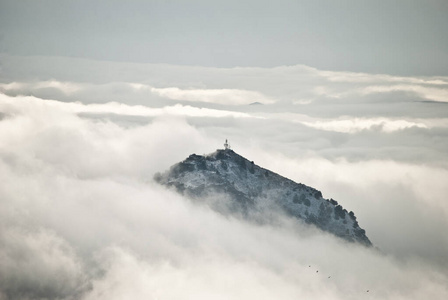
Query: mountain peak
(240, 186)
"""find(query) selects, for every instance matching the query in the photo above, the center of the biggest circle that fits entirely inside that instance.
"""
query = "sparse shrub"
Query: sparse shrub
(224, 165)
(307, 202)
(334, 202)
(352, 215)
(339, 212)
(295, 199)
(242, 163)
(252, 169)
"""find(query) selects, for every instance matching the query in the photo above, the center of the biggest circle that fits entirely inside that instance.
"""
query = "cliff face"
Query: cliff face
(247, 187)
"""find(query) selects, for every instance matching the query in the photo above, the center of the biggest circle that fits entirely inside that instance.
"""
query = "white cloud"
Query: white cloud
(117, 108)
(77, 194)
(353, 77)
(218, 96)
(430, 93)
(65, 87)
(38, 263)
(356, 125)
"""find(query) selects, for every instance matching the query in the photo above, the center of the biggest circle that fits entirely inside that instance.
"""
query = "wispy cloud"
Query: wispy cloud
(430, 93)
(119, 108)
(65, 87)
(357, 125)
(218, 96)
(352, 77)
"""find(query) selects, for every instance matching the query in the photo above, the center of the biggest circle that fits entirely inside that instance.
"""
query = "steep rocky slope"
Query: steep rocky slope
(239, 185)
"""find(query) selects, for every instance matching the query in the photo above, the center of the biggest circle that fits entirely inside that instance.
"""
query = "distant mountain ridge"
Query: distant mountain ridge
(247, 187)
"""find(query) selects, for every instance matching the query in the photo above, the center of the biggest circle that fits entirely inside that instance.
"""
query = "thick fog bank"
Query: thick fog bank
(81, 218)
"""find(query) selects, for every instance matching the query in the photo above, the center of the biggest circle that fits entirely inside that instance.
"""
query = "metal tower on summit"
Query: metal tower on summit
(226, 145)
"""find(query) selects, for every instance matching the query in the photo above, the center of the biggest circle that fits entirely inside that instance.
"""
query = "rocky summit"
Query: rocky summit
(240, 186)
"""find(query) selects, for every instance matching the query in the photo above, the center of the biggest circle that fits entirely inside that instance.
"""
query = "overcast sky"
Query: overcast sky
(98, 96)
(405, 37)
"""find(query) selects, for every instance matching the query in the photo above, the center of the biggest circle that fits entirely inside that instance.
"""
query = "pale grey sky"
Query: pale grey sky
(405, 37)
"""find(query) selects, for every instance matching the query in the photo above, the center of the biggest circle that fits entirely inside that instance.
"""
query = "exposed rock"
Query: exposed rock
(249, 187)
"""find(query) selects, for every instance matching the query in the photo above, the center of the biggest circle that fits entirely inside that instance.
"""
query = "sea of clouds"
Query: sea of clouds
(82, 218)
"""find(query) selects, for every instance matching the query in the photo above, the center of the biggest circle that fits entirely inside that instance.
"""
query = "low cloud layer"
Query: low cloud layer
(81, 217)
(218, 96)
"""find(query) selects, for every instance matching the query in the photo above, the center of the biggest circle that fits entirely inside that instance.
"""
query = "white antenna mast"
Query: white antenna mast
(226, 145)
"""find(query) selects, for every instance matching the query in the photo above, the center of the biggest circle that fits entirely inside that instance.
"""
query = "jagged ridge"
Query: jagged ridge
(250, 186)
